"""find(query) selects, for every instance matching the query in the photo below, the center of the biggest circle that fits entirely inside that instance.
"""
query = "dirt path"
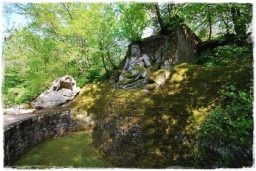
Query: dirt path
(12, 118)
(17, 111)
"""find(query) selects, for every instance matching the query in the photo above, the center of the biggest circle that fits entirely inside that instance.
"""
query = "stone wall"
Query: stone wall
(21, 136)
(120, 138)
(180, 45)
(177, 47)
(187, 43)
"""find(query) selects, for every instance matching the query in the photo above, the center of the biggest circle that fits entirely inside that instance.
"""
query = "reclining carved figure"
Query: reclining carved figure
(62, 91)
(135, 67)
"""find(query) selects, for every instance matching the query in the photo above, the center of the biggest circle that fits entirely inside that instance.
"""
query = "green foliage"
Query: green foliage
(163, 17)
(57, 42)
(226, 135)
(224, 55)
(133, 20)
(215, 19)
(198, 22)
(173, 23)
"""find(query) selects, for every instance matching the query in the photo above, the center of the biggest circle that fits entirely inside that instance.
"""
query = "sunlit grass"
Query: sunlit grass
(75, 150)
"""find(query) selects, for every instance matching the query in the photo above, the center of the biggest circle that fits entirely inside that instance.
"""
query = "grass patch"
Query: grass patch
(74, 151)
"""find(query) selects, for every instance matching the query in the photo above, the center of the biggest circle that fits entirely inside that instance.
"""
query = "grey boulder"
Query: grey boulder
(62, 91)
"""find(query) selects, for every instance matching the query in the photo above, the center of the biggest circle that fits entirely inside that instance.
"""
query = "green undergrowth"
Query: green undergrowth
(72, 151)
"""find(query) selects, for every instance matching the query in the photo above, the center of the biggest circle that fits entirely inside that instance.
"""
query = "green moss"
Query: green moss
(160, 74)
(173, 110)
(129, 75)
(71, 151)
(92, 99)
(125, 81)
(156, 66)
(140, 68)
(165, 114)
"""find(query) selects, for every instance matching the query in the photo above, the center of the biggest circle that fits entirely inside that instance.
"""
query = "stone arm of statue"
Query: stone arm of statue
(126, 65)
(146, 61)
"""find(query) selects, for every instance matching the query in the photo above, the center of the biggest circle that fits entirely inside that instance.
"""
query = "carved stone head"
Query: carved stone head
(135, 51)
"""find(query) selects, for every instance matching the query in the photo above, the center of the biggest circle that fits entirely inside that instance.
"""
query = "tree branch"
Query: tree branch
(67, 10)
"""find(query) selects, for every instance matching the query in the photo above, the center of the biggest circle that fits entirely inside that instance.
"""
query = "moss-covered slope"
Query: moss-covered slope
(155, 129)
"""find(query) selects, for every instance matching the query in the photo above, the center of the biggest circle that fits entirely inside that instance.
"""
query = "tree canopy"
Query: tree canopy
(217, 19)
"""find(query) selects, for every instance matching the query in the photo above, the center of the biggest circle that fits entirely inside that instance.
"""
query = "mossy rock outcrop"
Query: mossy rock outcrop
(155, 129)
(159, 128)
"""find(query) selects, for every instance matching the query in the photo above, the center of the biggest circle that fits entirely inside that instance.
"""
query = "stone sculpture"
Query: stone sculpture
(135, 69)
(166, 65)
(62, 91)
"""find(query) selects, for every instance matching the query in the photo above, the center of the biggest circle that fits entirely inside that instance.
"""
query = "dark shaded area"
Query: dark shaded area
(207, 47)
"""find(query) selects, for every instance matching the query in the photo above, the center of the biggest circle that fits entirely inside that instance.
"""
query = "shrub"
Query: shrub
(226, 135)
(223, 55)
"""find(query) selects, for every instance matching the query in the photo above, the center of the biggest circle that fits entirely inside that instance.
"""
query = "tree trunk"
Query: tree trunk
(111, 62)
(240, 27)
(210, 22)
(66, 8)
(87, 62)
(169, 6)
(80, 66)
(225, 22)
(103, 60)
(104, 64)
(159, 18)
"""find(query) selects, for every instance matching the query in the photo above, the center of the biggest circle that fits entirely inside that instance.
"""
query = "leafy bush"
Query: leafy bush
(223, 55)
(226, 136)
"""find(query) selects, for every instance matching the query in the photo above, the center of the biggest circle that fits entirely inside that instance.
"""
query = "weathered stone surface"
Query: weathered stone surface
(134, 73)
(166, 65)
(160, 76)
(62, 91)
(155, 53)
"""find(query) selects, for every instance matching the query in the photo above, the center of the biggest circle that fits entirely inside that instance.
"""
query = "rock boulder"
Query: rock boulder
(62, 91)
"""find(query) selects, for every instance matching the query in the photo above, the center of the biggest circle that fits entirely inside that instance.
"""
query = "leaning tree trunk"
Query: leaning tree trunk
(103, 59)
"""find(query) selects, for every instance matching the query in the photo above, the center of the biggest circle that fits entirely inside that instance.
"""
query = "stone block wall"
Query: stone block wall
(177, 47)
(21, 136)
(187, 43)
(153, 44)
